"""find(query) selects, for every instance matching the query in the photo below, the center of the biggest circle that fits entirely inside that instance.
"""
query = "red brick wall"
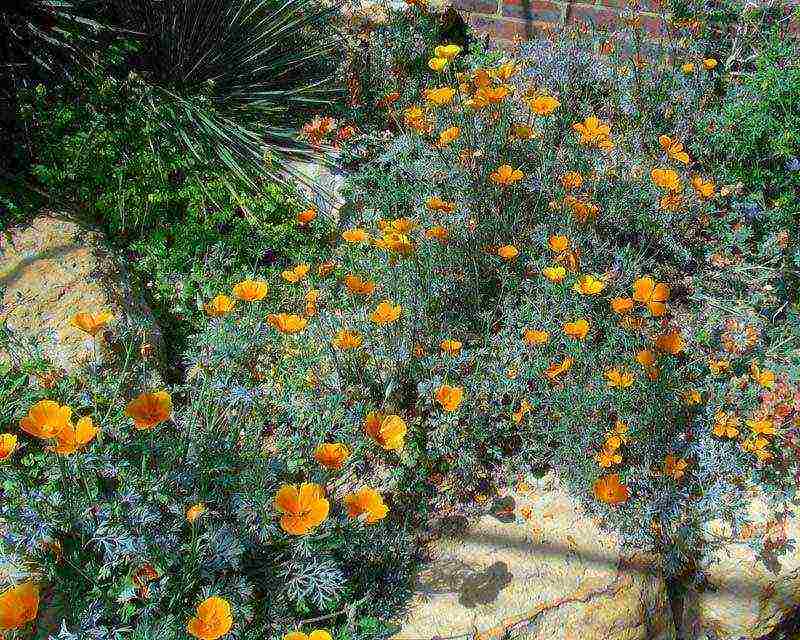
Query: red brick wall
(506, 20)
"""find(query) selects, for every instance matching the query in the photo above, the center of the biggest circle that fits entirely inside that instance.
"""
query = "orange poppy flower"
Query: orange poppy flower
(449, 397)
(194, 512)
(287, 322)
(319, 634)
(325, 268)
(493, 95)
(534, 336)
(554, 274)
(355, 284)
(386, 313)
(332, 455)
(346, 340)
(674, 467)
(617, 436)
(149, 409)
(388, 431)
(439, 96)
(578, 329)
(588, 285)
(304, 507)
(366, 504)
(8, 442)
(571, 180)
(543, 105)
(306, 216)
(437, 232)
(619, 379)
(505, 71)
(506, 175)
(435, 203)
(447, 51)
(437, 64)
(212, 620)
(710, 63)
(250, 290)
(725, 425)
(762, 426)
(622, 305)
(558, 243)
(355, 235)
(692, 397)
(671, 342)
(70, 439)
(687, 68)
(448, 135)
(674, 149)
(594, 132)
(672, 201)
(397, 242)
(508, 252)
(91, 323)
(524, 408)
(652, 295)
(646, 358)
(703, 188)
(295, 274)
(758, 447)
(666, 179)
(608, 456)
(610, 490)
(557, 368)
(46, 419)
(19, 605)
(450, 346)
(219, 306)
(764, 377)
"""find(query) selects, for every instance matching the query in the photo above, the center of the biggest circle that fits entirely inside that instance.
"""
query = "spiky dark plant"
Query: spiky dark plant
(245, 72)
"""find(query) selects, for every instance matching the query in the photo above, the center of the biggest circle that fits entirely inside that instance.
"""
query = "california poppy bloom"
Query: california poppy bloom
(346, 340)
(46, 419)
(332, 455)
(219, 306)
(666, 179)
(70, 438)
(506, 175)
(397, 242)
(617, 436)
(622, 305)
(304, 507)
(356, 284)
(505, 71)
(692, 397)
(687, 68)
(306, 216)
(558, 243)
(449, 397)
(149, 409)
(319, 634)
(439, 96)
(610, 490)
(594, 132)
(325, 268)
(651, 294)
(710, 63)
(437, 232)
(212, 620)
(250, 290)
(557, 368)
(494, 95)
(763, 377)
(619, 379)
(762, 426)
(508, 252)
(608, 456)
(19, 605)
(295, 274)
(91, 323)
(388, 431)
(435, 203)
(725, 425)
(450, 346)
(588, 285)
(8, 442)
(355, 235)
(571, 180)
(646, 358)
(386, 313)
(543, 105)
(366, 503)
(437, 64)
(194, 512)
(703, 188)
(554, 274)
(447, 51)
(758, 447)
(448, 135)
(534, 336)
(671, 342)
(673, 201)
(674, 149)
(287, 322)
(674, 467)
(578, 329)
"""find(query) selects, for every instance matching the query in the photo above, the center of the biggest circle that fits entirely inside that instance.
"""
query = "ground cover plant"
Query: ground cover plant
(544, 265)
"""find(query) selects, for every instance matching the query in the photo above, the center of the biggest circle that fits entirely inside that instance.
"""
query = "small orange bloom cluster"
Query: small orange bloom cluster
(49, 420)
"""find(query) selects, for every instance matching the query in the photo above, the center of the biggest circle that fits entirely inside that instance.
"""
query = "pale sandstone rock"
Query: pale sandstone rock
(746, 600)
(556, 576)
(53, 268)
